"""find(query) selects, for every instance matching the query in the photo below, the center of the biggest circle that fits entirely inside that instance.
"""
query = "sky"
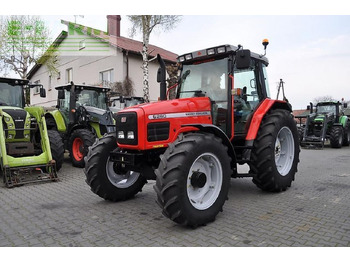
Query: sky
(308, 47)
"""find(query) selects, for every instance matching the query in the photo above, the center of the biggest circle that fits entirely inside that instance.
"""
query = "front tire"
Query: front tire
(193, 179)
(275, 153)
(79, 143)
(57, 148)
(102, 177)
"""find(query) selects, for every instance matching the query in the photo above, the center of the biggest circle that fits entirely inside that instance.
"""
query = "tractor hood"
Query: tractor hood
(100, 115)
(184, 107)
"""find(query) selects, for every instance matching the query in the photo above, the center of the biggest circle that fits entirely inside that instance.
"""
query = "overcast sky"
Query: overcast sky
(309, 52)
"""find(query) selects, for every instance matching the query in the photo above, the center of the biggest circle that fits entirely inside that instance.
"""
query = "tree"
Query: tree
(25, 41)
(146, 24)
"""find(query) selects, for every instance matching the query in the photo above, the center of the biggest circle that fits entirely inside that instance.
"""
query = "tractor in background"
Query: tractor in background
(326, 122)
(222, 117)
(82, 115)
(28, 151)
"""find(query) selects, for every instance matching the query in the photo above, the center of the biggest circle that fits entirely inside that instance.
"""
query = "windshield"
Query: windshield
(11, 95)
(326, 109)
(92, 98)
(205, 79)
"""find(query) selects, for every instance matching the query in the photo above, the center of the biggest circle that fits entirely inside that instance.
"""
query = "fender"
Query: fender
(344, 121)
(262, 110)
(225, 140)
(59, 120)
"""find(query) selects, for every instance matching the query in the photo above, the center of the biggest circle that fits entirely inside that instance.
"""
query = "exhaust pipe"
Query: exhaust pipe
(161, 75)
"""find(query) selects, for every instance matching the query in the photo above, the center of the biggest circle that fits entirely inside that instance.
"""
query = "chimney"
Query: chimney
(113, 25)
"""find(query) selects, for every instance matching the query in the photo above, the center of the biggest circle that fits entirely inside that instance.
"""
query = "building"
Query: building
(90, 56)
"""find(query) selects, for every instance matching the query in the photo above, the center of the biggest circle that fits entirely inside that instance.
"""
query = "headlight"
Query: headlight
(211, 51)
(120, 135)
(188, 56)
(130, 135)
(221, 49)
(7, 119)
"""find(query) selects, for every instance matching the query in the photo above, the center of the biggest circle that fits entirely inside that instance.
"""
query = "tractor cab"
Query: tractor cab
(214, 72)
(76, 96)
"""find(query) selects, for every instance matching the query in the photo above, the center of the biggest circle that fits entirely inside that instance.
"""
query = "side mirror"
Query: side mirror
(243, 59)
(308, 108)
(61, 94)
(42, 92)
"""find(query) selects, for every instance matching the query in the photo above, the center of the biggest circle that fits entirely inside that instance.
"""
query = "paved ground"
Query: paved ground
(315, 211)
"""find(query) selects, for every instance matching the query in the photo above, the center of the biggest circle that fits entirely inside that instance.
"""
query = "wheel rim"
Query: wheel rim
(204, 188)
(77, 149)
(284, 151)
(120, 180)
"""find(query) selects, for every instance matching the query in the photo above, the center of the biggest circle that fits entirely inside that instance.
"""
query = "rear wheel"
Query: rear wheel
(79, 143)
(275, 153)
(57, 148)
(193, 179)
(346, 140)
(336, 136)
(105, 178)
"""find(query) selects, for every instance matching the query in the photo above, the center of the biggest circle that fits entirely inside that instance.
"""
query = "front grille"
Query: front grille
(127, 122)
(19, 118)
(158, 131)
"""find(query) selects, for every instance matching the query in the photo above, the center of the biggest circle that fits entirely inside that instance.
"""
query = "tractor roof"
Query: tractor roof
(327, 103)
(215, 51)
(14, 81)
(88, 87)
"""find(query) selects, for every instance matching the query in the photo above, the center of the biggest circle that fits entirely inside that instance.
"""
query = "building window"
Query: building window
(50, 83)
(107, 77)
(69, 75)
(82, 44)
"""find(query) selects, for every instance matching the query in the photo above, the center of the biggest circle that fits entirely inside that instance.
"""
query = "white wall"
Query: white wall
(87, 65)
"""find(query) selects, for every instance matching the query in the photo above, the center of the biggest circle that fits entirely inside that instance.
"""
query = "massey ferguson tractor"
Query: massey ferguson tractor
(222, 117)
(28, 151)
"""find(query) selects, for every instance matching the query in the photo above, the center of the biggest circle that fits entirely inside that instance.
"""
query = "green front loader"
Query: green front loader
(326, 122)
(28, 151)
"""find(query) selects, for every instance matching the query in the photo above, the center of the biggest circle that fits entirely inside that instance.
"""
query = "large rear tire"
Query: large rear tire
(57, 148)
(336, 136)
(101, 174)
(275, 153)
(193, 179)
(79, 143)
(346, 140)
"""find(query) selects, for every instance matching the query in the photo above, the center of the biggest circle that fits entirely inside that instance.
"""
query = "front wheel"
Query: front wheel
(57, 148)
(275, 153)
(105, 178)
(193, 179)
(79, 143)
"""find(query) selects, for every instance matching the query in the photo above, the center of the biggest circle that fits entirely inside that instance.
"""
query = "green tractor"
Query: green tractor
(28, 151)
(82, 115)
(327, 122)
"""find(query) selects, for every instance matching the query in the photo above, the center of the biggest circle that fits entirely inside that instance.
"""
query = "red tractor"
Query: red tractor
(222, 117)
